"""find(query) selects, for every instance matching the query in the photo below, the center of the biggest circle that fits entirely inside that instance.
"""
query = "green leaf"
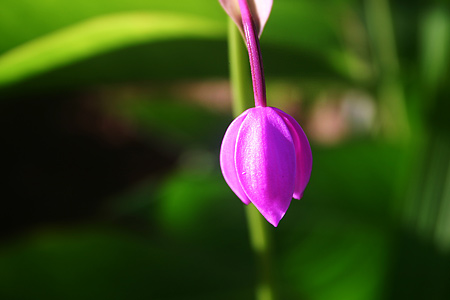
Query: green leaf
(94, 263)
(100, 35)
(435, 45)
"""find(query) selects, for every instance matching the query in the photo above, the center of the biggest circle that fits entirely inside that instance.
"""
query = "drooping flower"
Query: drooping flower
(266, 160)
(265, 156)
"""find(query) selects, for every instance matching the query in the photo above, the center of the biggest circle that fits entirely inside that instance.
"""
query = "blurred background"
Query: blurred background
(112, 114)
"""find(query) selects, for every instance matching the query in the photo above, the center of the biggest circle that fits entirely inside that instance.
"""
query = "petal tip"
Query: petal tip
(274, 220)
(245, 201)
(272, 215)
(297, 196)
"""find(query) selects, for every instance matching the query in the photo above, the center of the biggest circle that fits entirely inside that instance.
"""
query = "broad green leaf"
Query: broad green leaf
(24, 20)
(100, 35)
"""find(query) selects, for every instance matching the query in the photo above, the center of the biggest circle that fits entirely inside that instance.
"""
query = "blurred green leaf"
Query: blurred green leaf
(100, 264)
(175, 122)
(96, 36)
(24, 20)
(188, 199)
(315, 28)
(338, 236)
(435, 46)
(341, 261)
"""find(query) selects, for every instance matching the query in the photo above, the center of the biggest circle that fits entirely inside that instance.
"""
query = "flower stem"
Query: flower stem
(257, 225)
(254, 53)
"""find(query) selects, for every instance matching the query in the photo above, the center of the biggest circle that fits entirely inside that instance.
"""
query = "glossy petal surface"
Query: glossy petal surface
(227, 152)
(260, 10)
(302, 152)
(265, 162)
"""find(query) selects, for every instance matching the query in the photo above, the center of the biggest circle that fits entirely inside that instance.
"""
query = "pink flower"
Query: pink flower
(266, 160)
(265, 156)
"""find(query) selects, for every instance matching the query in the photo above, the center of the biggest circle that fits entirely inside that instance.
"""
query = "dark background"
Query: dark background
(111, 119)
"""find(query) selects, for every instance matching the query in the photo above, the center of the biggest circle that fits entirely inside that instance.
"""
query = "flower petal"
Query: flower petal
(302, 151)
(231, 7)
(260, 10)
(265, 162)
(227, 152)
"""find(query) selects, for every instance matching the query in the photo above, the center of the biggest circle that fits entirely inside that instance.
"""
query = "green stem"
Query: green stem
(259, 240)
(241, 85)
(242, 99)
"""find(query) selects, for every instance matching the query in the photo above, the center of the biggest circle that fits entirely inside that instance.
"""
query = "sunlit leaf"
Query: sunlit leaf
(97, 36)
(435, 45)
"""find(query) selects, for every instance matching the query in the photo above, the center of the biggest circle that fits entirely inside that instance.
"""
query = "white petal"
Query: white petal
(260, 10)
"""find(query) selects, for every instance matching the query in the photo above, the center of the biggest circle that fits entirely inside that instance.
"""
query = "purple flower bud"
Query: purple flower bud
(266, 160)
(265, 156)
